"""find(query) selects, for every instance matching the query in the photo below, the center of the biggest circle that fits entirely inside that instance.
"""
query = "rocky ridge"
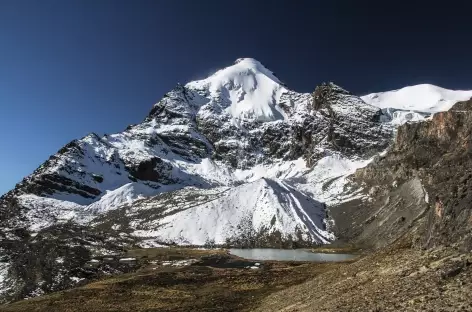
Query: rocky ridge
(419, 189)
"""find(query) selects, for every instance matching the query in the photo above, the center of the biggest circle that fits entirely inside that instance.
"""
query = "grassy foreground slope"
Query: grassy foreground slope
(215, 281)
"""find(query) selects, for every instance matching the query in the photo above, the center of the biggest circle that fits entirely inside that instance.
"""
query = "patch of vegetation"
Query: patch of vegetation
(337, 248)
(172, 253)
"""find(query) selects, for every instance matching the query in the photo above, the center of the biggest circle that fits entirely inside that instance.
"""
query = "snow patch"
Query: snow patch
(278, 170)
(76, 279)
(178, 263)
(328, 179)
(125, 194)
(3, 277)
(43, 212)
(397, 117)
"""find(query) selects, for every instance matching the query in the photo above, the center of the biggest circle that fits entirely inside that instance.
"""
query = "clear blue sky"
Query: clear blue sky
(68, 68)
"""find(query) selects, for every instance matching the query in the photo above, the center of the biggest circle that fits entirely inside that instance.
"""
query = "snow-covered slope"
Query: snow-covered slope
(257, 213)
(414, 103)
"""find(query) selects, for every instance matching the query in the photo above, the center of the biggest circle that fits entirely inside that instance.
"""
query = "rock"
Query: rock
(429, 159)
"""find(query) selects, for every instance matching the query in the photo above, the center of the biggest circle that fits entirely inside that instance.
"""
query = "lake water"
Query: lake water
(288, 255)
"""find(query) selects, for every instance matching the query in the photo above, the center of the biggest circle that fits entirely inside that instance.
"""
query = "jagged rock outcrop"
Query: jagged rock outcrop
(350, 129)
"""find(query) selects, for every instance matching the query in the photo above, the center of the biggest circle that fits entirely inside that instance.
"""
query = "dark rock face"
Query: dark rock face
(174, 106)
(185, 145)
(50, 183)
(333, 120)
(154, 169)
(421, 188)
(325, 94)
(351, 127)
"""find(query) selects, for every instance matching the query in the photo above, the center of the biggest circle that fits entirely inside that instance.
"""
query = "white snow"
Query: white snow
(76, 279)
(398, 117)
(327, 180)
(35, 293)
(278, 170)
(250, 89)
(262, 205)
(208, 170)
(426, 196)
(178, 263)
(3, 277)
(125, 194)
(43, 212)
(150, 243)
(425, 98)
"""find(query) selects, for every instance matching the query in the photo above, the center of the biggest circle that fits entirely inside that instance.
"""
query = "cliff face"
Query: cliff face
(421, 189)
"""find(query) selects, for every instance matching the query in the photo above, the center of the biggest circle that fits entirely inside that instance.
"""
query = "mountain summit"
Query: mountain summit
(248, 91)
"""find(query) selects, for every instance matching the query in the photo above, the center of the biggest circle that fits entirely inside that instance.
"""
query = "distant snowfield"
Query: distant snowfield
(284, 197)
(415, 103)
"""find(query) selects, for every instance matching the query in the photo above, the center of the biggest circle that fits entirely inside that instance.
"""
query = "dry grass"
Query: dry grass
(342, 249)
(172, 253)
(392, 280)
(218, 283)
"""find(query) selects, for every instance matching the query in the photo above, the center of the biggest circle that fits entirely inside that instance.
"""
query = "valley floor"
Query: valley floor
(399, 279)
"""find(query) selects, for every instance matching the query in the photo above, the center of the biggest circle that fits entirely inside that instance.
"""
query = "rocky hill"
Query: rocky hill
(418, 191)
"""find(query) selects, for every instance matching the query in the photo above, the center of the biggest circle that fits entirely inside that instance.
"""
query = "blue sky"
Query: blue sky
(68, 68)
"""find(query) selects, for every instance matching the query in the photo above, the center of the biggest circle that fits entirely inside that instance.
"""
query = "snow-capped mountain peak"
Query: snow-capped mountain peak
(245, 90)
(234, 159)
